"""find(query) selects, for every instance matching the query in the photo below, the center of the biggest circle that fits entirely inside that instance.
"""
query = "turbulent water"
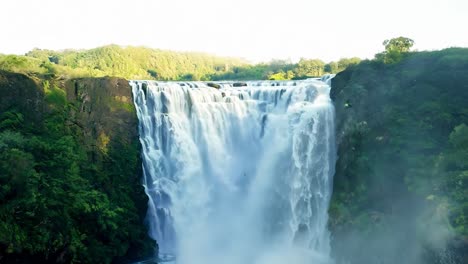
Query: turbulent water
(238, 174)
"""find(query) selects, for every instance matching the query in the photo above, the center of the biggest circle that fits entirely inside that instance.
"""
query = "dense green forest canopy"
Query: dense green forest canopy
(146, 63)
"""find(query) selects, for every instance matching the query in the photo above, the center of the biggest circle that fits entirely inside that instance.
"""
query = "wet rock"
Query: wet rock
(239, 84)
(214, 85)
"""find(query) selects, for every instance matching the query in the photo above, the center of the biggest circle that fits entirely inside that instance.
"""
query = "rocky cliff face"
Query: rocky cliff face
(80, 137)
(21, 92)
(104, 110)
(400, 184)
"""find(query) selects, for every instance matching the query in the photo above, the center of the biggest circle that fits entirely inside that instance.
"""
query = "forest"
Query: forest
(151, 64)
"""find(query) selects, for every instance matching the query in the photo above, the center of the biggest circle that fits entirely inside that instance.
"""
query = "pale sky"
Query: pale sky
(258, 30)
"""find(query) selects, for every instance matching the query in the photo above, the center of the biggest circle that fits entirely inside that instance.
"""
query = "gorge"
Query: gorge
(234, 175)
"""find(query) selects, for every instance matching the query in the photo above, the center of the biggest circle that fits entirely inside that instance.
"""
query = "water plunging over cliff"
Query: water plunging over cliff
(238, 174)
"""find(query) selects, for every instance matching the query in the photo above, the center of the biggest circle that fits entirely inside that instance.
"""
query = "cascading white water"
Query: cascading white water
(238, 175)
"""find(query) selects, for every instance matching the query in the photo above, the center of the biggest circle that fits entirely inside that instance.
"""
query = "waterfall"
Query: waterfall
(238, 174)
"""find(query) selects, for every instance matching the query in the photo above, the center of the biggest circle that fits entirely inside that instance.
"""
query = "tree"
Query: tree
(395, 49)
(281, 75)
(309, 68)
(400, 44)
(331, 67)
(344, 63)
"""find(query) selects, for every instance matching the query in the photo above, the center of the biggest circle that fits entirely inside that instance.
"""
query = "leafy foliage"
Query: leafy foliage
(135, 63)
(400, 44)
(402, 153)
(310, 68)
(453, 164)
(145, 63)
(57, 204)
(395, 49)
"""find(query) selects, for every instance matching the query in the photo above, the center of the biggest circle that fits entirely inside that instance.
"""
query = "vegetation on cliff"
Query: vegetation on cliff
(69, 172)
(401, 183)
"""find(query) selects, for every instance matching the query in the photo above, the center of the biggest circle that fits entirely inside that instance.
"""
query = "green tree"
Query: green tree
(400, 44)
(309, 68)
(395, 49)
(346, 62)
(281, 75)
(331, 67)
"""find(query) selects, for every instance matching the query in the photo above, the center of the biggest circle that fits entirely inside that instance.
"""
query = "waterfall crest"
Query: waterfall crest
(238, 174)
